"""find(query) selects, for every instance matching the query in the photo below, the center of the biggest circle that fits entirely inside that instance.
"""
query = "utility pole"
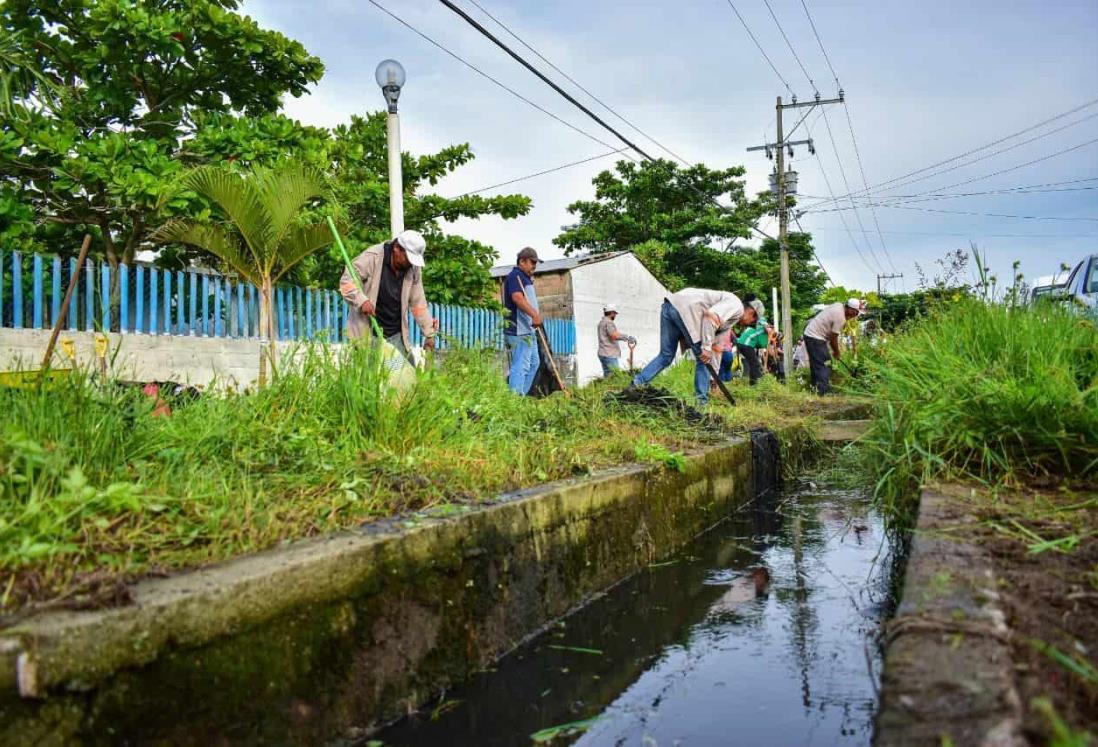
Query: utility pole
(886, 277)
(780, 147)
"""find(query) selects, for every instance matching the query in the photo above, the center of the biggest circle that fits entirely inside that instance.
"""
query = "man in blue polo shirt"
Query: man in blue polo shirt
(521, 301)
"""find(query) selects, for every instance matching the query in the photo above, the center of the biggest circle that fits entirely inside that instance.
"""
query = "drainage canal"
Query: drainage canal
(759, 633)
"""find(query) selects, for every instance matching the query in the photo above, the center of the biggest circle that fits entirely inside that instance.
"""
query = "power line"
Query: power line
(818, 41)
(817, 206)
(541, 76)
(814, 255)
(981, 235)
(578, 85)
(539, 173)
(972, 151)
(842, 216)
(846, 183)
(483, 74)
(790, 45)
(760, 46)
(849, 124)
(963, 212)
(927, 197)
(519, 59)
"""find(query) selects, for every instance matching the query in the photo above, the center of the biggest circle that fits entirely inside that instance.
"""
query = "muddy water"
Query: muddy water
(696, 651)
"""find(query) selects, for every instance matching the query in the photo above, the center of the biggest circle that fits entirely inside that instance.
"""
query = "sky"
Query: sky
(924, 82)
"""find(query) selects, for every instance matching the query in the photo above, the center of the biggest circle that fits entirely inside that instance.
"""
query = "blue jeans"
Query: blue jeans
(727, 357)
(524, 362)
(609, 365)
(672, 331)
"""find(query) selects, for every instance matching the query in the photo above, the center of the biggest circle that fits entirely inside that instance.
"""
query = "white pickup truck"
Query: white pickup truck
(1082, 284)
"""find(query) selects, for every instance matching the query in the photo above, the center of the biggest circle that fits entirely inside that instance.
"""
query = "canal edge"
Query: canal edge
(948, 672)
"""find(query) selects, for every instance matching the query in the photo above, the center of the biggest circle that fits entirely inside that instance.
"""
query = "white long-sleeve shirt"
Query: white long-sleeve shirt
(696, 304)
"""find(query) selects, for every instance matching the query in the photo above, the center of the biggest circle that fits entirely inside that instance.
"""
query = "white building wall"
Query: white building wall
(626, 282)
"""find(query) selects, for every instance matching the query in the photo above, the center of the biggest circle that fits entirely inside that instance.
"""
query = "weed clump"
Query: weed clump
(993, 393)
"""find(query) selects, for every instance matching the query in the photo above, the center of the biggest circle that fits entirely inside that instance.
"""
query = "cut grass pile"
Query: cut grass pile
(94, 487)
(997, 394)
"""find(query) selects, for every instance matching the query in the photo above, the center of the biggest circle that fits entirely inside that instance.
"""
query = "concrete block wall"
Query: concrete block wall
(199, 361)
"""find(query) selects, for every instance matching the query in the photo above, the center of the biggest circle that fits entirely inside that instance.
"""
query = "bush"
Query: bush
(982, 391)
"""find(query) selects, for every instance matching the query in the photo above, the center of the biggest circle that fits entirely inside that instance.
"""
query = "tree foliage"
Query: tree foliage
(136, 77)
(669, 217)
(659, 201)
(112, 102)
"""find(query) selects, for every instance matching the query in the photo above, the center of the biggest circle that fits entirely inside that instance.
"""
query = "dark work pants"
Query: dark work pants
(750, 357)
(818, 357)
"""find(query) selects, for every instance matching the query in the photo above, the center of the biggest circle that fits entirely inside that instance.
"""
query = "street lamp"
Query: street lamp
(390, 77)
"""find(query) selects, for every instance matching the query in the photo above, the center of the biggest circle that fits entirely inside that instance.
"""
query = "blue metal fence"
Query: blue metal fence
(199, 303)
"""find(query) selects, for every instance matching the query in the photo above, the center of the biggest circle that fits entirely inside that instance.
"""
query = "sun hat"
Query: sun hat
(414, 245)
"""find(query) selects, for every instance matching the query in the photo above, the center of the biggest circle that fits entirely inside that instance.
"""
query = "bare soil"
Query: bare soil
(1051, 601)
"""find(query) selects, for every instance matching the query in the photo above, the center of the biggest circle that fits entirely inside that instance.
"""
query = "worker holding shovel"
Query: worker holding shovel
(389, 282)
(610, 340)
(690, 319)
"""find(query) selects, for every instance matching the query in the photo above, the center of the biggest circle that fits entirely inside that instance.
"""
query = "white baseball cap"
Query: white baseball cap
(413, 244)
(610, 308)
(856, 304)
(758, 306)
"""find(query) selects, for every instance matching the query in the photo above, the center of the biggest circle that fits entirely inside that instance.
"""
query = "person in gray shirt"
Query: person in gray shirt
(610, 339)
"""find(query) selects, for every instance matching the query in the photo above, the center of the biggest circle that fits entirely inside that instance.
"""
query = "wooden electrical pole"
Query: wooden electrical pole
(886, 277)
(780, 147)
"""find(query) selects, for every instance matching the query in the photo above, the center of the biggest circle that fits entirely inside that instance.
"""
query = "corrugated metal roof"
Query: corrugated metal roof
(562, 264)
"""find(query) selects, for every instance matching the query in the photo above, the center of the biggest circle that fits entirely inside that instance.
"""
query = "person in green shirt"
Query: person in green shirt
(751, 340)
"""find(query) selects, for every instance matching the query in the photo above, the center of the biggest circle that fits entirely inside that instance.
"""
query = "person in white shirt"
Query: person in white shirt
(822, 331)
(692, 318)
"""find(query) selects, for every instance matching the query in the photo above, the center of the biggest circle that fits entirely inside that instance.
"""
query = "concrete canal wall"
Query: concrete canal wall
(948, 676)
(321, 639)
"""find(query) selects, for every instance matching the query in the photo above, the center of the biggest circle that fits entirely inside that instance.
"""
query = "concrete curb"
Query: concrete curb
(355, 628)
(948, 673)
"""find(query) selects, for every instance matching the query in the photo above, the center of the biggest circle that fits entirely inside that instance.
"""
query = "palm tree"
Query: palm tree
(262, 237)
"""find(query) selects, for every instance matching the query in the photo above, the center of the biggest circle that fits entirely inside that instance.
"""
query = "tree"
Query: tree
(262, 235)
(457, 268)
(136, 80)
(659, 201)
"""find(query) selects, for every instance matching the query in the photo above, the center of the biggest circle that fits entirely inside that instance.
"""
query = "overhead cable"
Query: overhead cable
(480, 72)
(580, 86)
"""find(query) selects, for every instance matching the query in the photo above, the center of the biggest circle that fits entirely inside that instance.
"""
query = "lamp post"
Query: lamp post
(390, 76)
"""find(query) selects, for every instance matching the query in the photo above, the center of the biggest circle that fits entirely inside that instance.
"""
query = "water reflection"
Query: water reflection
(758, 634)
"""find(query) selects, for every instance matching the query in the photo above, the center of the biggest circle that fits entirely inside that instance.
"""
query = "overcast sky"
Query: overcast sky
(924, 81)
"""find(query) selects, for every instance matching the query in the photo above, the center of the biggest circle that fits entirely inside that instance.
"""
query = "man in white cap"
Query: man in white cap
(610, 340)
(822, 331)
(691, 319)
(392, 276)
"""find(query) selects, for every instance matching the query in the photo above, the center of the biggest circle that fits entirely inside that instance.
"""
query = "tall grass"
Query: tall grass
(982, 391)
(92, 481)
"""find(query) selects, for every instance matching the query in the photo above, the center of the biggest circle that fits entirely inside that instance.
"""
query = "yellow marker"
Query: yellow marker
(68, 347)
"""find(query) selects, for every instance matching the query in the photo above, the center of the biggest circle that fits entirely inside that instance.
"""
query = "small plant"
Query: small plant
(659, 454)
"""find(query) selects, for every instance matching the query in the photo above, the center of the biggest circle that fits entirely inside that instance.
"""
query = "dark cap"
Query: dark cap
(528, 253)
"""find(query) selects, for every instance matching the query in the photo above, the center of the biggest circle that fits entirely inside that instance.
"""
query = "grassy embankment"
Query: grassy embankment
(1005, 400)
(94, 488)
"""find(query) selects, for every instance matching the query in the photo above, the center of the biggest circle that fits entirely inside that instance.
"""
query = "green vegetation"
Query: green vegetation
(993, 393)
(669, 217)
(264, 237)
(325, 446)
(108, 103)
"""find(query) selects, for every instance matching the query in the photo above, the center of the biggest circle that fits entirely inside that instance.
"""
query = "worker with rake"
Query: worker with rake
(389, 283)
(690, 319)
